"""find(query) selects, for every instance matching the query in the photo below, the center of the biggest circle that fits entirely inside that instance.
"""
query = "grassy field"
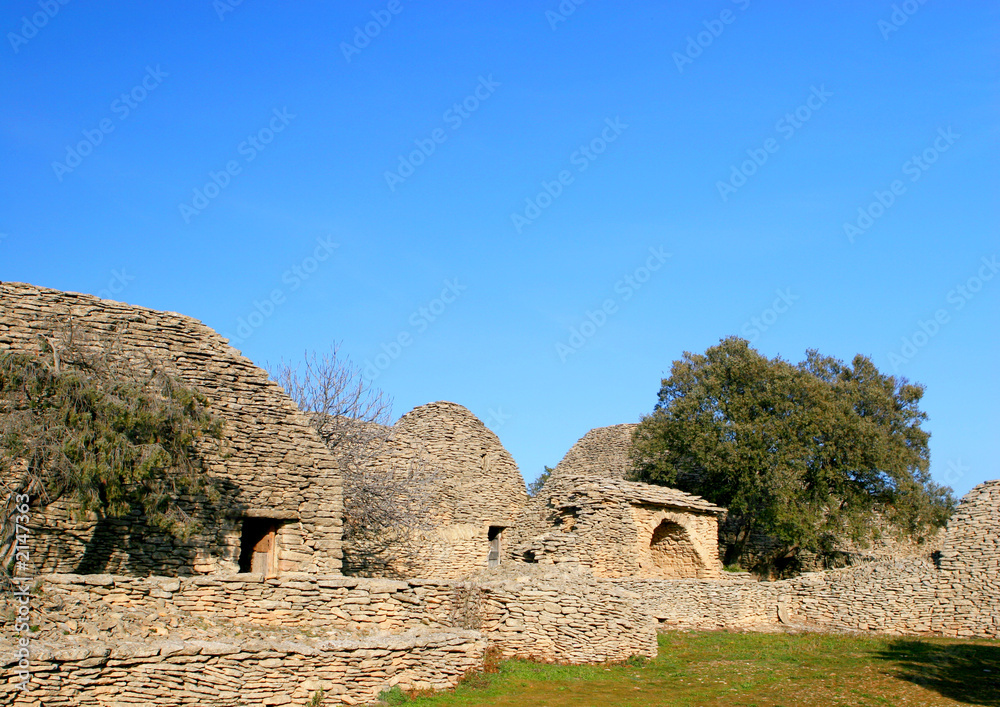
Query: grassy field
(749, 669)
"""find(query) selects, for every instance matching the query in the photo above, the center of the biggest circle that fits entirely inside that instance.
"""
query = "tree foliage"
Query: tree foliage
(109, 440)
(806, 453)
(535, 486)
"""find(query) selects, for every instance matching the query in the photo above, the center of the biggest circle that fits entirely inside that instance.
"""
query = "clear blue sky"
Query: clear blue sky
(734, 139)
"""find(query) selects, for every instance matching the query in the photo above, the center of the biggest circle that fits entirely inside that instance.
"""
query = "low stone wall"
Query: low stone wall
(892, 596)
(571, 620)
(959, 596)
(349, 603)
(739, 602)
(228, 674)
(910, 597)
(113, 640)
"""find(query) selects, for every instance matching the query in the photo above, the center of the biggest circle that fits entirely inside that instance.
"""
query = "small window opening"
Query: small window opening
(529, 557)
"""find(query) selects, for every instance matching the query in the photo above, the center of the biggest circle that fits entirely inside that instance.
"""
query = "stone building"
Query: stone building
(589, 517)
(615, 528)
(955, 593)
(472, 488)
(280, 509)
(602, 451)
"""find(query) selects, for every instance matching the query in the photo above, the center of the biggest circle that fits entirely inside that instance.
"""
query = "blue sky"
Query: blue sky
(524, 209)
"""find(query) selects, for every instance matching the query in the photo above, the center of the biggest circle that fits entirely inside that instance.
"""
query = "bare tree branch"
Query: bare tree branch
(386, 497)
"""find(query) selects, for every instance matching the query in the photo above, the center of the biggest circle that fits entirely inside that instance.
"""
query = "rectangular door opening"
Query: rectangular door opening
(258, 549)
(493, 559)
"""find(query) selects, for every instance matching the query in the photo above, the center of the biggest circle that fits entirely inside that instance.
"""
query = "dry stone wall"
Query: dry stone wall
(737, 601)
(970, 557)
(255, 672)
(271, 464)
(615, 528)
(571, 619)
(215, 640)
(472, 483)
(957, 596)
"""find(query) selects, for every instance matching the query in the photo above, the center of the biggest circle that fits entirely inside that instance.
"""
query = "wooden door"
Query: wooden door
(263, 553)
(493, 558)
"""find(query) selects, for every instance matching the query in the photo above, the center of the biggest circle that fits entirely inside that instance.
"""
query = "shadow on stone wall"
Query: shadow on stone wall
(967, 672)
(131, 546)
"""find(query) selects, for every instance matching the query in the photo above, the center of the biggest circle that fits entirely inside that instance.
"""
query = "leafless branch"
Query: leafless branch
(386, 497)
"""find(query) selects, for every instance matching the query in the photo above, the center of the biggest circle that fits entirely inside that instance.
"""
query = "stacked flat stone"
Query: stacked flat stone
(959, 596)
(420, 634)
(473, 481)
(229, 673)
(270, 462)
(603, 451)
(613, 528)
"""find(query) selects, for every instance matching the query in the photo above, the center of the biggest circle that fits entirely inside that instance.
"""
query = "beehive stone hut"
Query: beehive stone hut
(602, 451)
(280, 508)
(615, 528)
(472, 490)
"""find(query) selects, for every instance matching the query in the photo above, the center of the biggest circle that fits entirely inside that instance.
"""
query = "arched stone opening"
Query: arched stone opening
(673, 553)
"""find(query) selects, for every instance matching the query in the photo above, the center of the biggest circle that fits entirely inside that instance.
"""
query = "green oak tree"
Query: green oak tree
(808, 454)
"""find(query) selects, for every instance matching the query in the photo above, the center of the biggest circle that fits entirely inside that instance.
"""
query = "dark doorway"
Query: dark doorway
(257, 546)
(493, 559)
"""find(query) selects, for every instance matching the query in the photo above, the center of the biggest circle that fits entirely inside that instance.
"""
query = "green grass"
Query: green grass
(752, 670)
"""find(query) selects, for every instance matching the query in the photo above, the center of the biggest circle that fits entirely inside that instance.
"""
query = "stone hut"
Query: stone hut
(602, 451)
(473, 490)
(589, 517)
(615, 528)
(280, 509)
